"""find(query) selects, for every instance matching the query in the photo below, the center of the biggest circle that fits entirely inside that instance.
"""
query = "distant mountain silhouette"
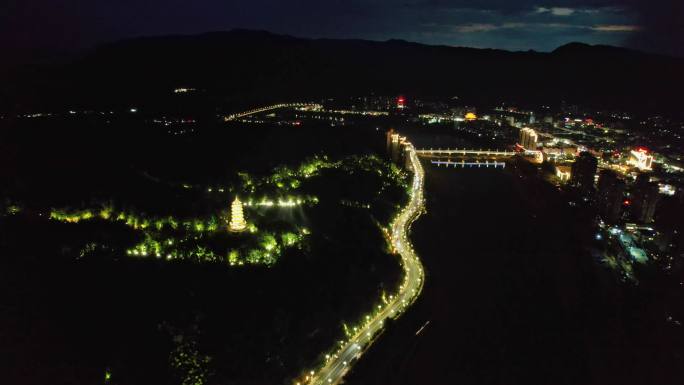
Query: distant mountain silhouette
(257, 66)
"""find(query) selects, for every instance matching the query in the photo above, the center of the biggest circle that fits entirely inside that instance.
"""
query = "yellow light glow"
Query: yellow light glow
(237, 219)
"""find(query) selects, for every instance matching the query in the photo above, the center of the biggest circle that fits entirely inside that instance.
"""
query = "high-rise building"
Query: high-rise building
(528, 138)
(607, 178)
(678, 242)
(407, 156)
(610, 194)
(583, 172)
(396, 148)
(388, 137)
(523, 136)
(237, 219)
(645, 198)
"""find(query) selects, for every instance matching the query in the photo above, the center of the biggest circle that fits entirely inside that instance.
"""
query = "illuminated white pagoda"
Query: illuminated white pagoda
(237, 218)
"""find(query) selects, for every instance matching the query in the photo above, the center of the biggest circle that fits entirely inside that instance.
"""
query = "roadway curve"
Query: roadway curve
(338, 364)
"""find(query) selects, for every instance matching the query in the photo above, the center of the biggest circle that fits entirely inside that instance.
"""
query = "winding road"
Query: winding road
(339, 363)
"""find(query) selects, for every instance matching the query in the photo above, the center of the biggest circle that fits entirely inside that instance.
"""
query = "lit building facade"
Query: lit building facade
(563, 173)
(640, 159)
(401, 103)
(388, 136)
(528, 138)
(397, 149)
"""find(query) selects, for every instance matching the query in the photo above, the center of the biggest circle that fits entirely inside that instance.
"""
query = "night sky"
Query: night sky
(49, 26)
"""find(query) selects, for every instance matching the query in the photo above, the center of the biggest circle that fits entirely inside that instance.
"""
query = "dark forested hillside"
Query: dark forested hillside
(258, 67)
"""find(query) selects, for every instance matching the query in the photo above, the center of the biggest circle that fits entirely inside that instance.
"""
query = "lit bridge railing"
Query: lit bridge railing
(463, 164)
(448, 152)
(239, 115)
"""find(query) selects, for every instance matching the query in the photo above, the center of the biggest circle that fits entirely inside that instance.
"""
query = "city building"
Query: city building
(645, 198)
(388, 138)
(559, 152)
(408, 165)
(534, 156)
(528, 138)
(640, 159)
(610, 194)
(583, 172)
(378, 103)
(552, 153)
(397, 148)
(401, 102)
(237, 219)
(678, 243)
(563, 173)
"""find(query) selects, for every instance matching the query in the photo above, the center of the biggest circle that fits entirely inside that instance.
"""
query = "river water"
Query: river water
(513, 297)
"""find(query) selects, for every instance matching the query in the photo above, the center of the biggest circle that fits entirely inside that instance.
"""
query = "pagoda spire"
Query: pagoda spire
(237, 219)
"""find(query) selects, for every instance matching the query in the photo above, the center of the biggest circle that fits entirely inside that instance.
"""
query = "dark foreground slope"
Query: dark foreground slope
(258, 66)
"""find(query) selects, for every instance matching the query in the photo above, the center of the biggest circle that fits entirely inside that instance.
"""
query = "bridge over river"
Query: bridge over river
(466, 158)
(464, 153)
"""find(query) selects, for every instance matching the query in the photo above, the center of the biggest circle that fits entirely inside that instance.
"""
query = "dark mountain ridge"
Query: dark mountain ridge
(255, 66)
